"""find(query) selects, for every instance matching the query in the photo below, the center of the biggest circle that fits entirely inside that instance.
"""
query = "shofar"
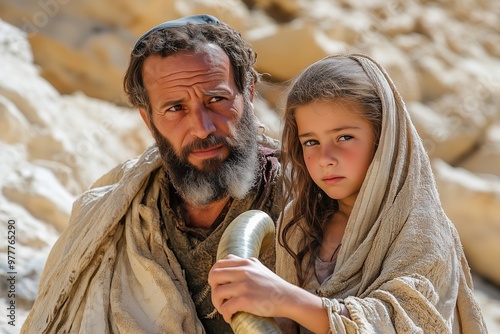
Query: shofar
(247, 234)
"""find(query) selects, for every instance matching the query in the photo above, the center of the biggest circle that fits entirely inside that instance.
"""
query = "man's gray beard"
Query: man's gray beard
(217, 178)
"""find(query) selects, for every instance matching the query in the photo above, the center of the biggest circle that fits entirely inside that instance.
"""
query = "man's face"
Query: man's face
(204, 127)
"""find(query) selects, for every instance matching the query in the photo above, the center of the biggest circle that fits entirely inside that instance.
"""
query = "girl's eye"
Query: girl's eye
(345, 138)
(310, 142)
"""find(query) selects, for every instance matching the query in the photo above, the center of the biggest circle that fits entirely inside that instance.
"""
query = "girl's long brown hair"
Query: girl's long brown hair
(332, 78)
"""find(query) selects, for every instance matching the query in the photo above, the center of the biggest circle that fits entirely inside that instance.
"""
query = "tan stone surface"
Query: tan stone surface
(283, 59)
(473, 204)
(63, 123)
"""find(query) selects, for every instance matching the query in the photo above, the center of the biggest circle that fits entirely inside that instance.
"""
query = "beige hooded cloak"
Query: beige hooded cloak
(401, 267)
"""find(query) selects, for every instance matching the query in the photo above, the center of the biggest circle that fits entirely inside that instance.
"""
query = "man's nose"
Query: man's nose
(202, 123)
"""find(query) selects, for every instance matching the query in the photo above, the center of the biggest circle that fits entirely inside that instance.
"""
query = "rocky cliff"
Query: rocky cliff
(64, 120)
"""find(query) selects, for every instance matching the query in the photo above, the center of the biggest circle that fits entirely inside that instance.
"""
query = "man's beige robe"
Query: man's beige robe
(111, 270)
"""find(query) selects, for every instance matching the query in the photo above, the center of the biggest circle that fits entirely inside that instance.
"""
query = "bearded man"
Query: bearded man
(140, 243)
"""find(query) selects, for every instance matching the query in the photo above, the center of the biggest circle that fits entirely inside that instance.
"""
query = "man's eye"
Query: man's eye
(177, 107)
(215, 99)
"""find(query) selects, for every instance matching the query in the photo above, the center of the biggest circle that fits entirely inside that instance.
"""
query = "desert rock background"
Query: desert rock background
(64, 120)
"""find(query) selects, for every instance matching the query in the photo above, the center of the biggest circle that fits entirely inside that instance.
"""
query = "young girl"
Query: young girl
(364, 245)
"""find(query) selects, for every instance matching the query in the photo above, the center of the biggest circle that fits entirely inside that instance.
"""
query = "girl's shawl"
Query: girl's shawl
(401, 267)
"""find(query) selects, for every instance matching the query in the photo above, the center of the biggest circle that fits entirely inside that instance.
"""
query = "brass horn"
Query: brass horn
(247, 234)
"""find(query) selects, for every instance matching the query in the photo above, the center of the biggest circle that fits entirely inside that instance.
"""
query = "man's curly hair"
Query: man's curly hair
(168, 41)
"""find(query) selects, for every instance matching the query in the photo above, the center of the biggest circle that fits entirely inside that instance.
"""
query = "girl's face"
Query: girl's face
(338, 146)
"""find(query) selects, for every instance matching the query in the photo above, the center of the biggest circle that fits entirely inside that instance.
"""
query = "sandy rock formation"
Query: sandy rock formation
(55, 140)
(486, 159)
(52, 147)
(282, 59)
(462, 190)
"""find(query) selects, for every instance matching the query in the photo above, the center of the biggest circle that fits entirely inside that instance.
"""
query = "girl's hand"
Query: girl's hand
(247, 285)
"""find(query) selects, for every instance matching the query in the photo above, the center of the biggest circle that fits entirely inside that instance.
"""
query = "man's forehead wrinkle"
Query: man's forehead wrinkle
(183, 79)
